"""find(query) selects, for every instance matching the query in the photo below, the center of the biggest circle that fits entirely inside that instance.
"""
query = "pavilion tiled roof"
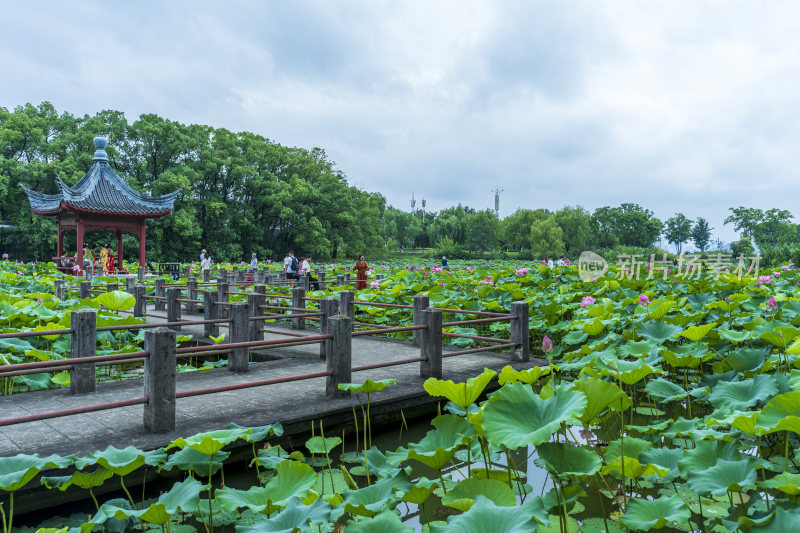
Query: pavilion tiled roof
(103, 191)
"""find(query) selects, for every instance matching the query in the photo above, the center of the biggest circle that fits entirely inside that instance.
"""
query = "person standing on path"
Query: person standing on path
(361, 272)
(205, 263)
(253, 263)
(444, 264)
(202, 253)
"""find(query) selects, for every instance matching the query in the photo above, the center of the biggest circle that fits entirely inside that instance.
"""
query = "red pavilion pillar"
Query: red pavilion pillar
(119, 250)
(80, 242)
(141, 242)
(60, 241)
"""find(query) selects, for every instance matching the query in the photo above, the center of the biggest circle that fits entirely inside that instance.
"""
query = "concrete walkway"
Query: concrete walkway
(295, 404)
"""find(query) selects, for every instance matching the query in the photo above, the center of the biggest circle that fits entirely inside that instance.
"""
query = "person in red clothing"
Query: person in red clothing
(361, 272)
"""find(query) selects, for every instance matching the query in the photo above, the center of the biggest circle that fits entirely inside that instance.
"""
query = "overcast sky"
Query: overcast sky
(678, 106)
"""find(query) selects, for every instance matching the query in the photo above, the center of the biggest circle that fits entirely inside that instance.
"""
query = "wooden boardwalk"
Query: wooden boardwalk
(294, 404)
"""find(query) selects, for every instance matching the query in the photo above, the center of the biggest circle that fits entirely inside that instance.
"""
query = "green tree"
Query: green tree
(628, 225)
(481, 233)
(678, 230)
(576, 227)
(515, 230)
(744, 219)
(742, 247)
(774, 228)
(701, 233)
(546, 238)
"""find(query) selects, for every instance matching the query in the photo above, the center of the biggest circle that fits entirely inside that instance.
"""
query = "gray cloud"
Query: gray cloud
(680, 106)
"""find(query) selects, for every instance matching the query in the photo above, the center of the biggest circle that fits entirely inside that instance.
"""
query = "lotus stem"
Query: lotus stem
(355, 422)
(786, 452)
(210, 509)
(327, 457)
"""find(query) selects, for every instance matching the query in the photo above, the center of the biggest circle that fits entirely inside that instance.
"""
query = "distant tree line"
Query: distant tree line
(242, 193)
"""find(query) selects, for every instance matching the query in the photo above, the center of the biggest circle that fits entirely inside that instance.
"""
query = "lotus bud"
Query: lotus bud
(771, 303)
(547, 344)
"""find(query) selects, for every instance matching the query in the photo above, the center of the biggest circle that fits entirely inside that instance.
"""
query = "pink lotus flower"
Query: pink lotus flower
(19, 272)
(643, 299)
(5, 256)
(544, 262)
(469, 270)
(521, 271)
(39, 300)
(758, 283)
(441, 284)
(547, 344)
(374, 285)
(488, 276)
(567, 262)
(587, 300)
(764, 279)
(269, 261)
(771, 303)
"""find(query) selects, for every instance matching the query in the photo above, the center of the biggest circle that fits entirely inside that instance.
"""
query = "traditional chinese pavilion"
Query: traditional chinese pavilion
(101, 201)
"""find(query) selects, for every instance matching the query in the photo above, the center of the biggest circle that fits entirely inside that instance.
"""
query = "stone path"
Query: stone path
(295, 404)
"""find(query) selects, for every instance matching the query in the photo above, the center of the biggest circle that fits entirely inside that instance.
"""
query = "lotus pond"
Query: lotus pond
(666, 403)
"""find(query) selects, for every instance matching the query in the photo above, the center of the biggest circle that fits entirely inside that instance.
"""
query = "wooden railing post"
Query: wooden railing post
(431, 345)
(240, 357)
(140, 293)
(520, 331)
(160, 304)
(340, 279)
(87, 274)
(140, 274)
(210, 312)
(191, 294)
(298, 295)
(270, 280)
(58, 289)
(159, 380)
(83, 343)
(186, 270)
(130, 283)
(222, 297)
(321, 276)
(329, 307)
(421, 303)
(173, 306)
(206, 275)
(86, 289)
(305, 283)
(339, 356)
(348, 307)
(255, 302)
(111, 287)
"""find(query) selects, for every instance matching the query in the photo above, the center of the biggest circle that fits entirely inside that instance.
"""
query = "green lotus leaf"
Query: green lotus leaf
(485, 516)
(637, 348)
(439, 445)
(594, 327)
(421, 490)
(462, 496)
(738, 396)
(783, 521)
(687, 355)
(271, 456)
(84, 480)
(381, 465)
(319, 445)
(370, 500)
(698, 300)
(562, 459)
(680, 428)
(295, 517)
(665, 391)
(17, 471)
(644, 515)
(706, 454)
(183, 496)
(782, 413)
(188, 459)
(733, 335)
(461, 394)
(121, 462)
(696, 333)
(387, 521)
(780, 337)
(115, 300)
(665, 458)
(657, 310)
(633, 468)
(369, 386)
(256, 433)
(217, 340)
(292, 480)
(600, 396)
(514, 416)
(213, 441)
(530, 375)
(724, 477)
(657, 331)
(742, 360)
(785, 482)
(630, 372)
(575, 337)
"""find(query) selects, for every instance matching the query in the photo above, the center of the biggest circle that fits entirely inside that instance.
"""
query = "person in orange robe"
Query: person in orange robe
(361, 272)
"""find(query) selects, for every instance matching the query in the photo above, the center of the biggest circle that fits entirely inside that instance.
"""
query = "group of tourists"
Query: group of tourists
(297, 268)
(96, 262)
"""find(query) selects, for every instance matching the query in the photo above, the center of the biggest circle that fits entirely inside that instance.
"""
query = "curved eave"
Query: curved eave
(67, 207)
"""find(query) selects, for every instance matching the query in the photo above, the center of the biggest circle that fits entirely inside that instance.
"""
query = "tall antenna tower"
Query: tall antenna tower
(497, 191)
(423, 204)
(413, 202)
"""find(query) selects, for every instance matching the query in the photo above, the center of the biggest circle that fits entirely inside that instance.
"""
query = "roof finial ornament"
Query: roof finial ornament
(100, 154)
